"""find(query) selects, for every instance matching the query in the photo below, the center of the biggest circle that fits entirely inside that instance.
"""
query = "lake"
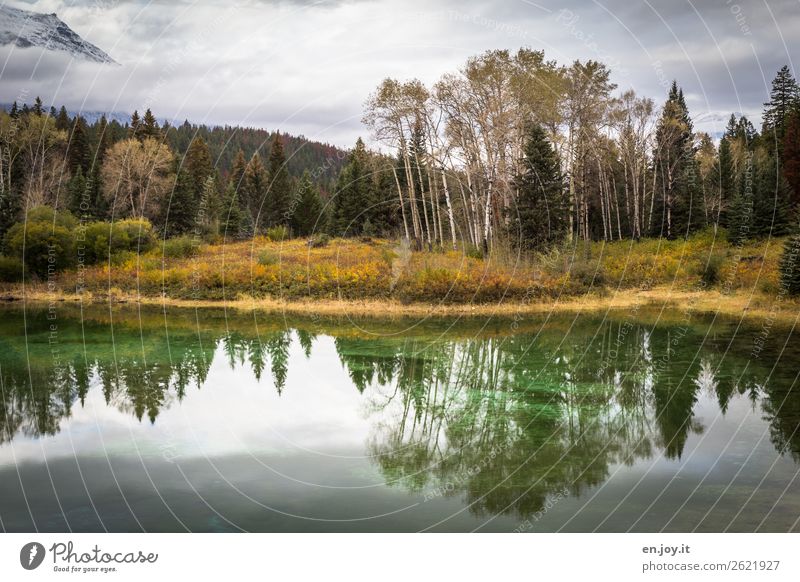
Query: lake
(132, 419)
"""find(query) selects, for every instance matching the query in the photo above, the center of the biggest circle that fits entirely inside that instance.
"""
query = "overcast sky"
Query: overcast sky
(306, 67)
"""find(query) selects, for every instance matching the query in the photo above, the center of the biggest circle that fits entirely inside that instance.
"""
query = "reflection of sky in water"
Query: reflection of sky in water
(399, 433)
(318, 410)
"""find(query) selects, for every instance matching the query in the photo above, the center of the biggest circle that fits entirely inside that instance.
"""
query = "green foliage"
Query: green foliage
(473, 251)
(353, 197)
(268, 257)
(319, 240)
(180, 247)
(277, 233)
(11, 269)
(540, 218)
(44, 246)
(278, 205)
(308, 216)
(710, 271)
(104, 240)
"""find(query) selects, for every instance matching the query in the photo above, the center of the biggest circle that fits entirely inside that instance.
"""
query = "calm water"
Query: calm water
(205, 421)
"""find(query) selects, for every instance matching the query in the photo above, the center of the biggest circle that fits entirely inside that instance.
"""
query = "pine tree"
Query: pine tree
(278, 206)
(78, 154)
(674, 154)
(353, 196)
(135, 127)
(149, 127)
(231, 214)
(790, 264)
(62, 120)
(308, 215)
(181, 207)
(238, 169)
(726, 181)
(77, 191)
(540, 218)
(784, 96)
(254, 189)
(771, 199)
(198, 165)
(37, 107)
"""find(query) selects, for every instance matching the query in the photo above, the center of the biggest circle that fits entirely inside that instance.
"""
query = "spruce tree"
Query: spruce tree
(181, 208)
(308, 217)
(771, 199)
(254, 189)
(77, 203)
(278, 205)
(540, 218)
(231, 214)
(238, 169)
(353, 196)
(784, 96)
(78, 154)
(674, 153)
(149, 127)
(726, 181)
(62, 119)
(198, 165)
(135, 127)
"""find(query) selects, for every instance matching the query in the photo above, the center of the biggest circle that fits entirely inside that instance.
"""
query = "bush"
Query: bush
(42, 246)
(10, 269)
(277, 233)
(710, 270)
(180, 247)
(586, 275)
(319, 240)
(103, 239)
(267, 257)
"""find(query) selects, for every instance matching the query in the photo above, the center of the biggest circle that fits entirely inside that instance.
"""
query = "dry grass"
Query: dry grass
(380, 278)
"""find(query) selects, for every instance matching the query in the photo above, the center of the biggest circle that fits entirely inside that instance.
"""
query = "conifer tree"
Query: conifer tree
(149, 127)
(353, 197)
(77, 191)
(181, 207)
(254, 189)
(278, 205)
(231, 214)
(539, 219)
(308, 216)
(791, 157)
(238, 169)
(784, 96)
(135, 127)
(78, 154)
(62, 119)
(198, 165)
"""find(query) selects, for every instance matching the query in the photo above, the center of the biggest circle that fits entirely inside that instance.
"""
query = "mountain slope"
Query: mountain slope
(24, 28)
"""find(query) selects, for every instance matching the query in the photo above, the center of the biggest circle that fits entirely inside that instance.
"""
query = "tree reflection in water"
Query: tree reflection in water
(504, 421)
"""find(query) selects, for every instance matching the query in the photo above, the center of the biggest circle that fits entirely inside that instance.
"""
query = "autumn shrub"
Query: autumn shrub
(105, 239)
(10, 269)
(277, 233)
(710, 271)
(180, 247)
(319, 240)
(44, 243)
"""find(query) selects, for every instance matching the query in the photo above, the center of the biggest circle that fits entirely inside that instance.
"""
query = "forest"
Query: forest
(513, 153)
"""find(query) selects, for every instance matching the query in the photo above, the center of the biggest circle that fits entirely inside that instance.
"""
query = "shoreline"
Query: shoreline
(745, 305)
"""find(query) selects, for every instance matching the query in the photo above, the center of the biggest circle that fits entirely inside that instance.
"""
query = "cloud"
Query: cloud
(307, 67)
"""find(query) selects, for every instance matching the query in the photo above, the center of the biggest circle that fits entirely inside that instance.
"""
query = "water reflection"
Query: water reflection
(502, 420)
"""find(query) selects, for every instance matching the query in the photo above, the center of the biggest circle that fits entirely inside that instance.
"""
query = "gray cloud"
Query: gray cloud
(307, 67)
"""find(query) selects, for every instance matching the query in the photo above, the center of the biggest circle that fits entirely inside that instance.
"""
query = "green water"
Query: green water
(140, 420)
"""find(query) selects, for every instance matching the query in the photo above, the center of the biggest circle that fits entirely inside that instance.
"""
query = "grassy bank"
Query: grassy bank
(385, 278)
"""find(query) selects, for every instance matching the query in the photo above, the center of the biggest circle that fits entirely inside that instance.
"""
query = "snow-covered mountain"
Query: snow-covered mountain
(25, 28)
